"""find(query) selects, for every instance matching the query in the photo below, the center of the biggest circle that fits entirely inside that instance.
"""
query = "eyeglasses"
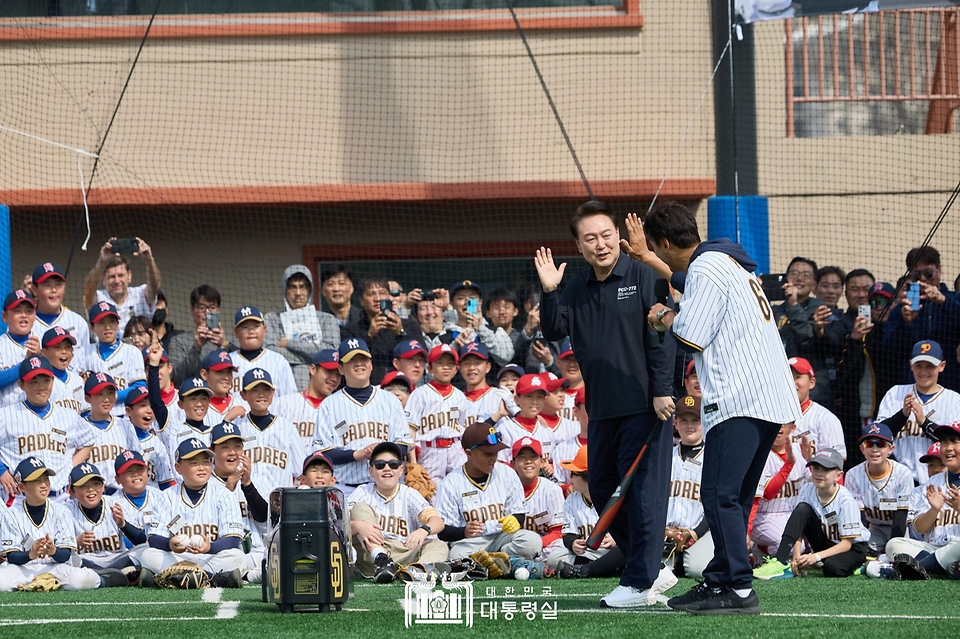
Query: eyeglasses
(874, 443)
(925, 274)
(203, 308)
(879, 302)
(395, 292)
(493, 438)
(380, 464)
(803, 275)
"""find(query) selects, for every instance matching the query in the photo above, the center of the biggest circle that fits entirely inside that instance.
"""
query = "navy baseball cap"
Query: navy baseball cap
(136, 394)
(883, 289)
(351, 347)
(409, 348)
(465, 284)
(927, 351)
(96, 382)
(45, 271)
(126, 459)
(247, 313)
(194, 385)
(33, 366)
(828, 458)
(476, 349)
(566, 349)
(30, 469)
(102, 310)
(396, 377)
(511, 368)
(82, 473)
(386, 447)
(256, 376)
(224, 431)
(314, 458)
(191, 447)
(327, 358)
(55, 335)
(18, 297)
(217, 361)
(877, 430)
(163, 355)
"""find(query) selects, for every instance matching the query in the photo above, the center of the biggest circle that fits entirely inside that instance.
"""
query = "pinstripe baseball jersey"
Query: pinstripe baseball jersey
(789, 495)
(684, 508)
(11, 354)
(911, 443)
(109, 537)
(565, 451)
(136, 303)
(742, 367)
(569, 401)
(216, 514)
(559, 430)
(579, 516)
(946, 528)
(880, 498)
(256, 528)
(125, 365)
(398, 514)
(158, 458)
(68, 394)
(840, 516)
(270, 361)
(18, 532)
(216, 415)
(822, 428)
(173, 434)
(434, 416)
(52, 438)
(276, 452)
(143, 517)
(544, 507)
(510, 431)
(76, 325)
(108, 444)
(302, 411)
(343, 422)
(481, 408)
(460, 499)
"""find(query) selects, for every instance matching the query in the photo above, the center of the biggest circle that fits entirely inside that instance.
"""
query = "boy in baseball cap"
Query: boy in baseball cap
(57, 345)
(123, 362)
(531, 392)
(48, 286)
(569, 367)
(157, 455)
(250, 332)
(398, 384)
(508, 377)
(111, 435)
(483, 401)
(19, 314)
(218, 371)
(542, 499)
(317, 471)
(138, 500)
(821, 428)
(410, 358)
(933, 460)
(301, 408)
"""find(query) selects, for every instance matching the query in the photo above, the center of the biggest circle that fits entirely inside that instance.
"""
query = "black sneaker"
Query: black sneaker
(909, 568)
(724, 601)
(146, 579)
(954, 570)
(227, 579)
(113, 578)
(700, 592)
(572, 571)
(384, 569)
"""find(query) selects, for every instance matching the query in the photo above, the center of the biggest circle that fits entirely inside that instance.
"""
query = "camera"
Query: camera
(428, 296)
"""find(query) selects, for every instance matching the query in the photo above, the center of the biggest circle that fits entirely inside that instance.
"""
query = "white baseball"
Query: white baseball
(181, 540)
(521, 574)
(196, 541)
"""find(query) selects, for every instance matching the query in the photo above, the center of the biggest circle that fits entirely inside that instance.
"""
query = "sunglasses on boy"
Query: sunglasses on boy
(874, 443)
(493, 438)
(380, 464)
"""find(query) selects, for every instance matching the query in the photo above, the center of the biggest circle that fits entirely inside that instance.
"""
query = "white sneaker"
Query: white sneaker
(253, 576)
(630, 597)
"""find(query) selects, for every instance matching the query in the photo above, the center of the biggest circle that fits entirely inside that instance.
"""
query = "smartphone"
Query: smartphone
(864, 311)
(772, 285)
(124, 246)
(385, 306)
(428, 296)
(534, 299)
(473, 306)
(913, 295)
(213, 320)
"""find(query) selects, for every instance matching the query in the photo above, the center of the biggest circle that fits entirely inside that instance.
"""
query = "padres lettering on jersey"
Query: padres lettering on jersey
(53, 438)
(788, 496)
(276, 452)
(109, 539)
(946, 528)
(579, 516)
(544, 507)
(880, 499)
(484, 406)
(942, 408)
(399, 514)
(684, 508)
(216, 514)
(460, 500)
(435, 416)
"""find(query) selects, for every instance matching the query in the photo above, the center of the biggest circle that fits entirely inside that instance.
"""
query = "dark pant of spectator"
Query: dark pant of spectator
(610, 564)
(638, 527)
(804, 522)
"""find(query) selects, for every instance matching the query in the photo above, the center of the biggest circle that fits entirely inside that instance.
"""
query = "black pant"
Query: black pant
(804, 522)
(610, 564)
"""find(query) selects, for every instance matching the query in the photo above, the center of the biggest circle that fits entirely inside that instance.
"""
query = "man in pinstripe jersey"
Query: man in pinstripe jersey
(726, 321)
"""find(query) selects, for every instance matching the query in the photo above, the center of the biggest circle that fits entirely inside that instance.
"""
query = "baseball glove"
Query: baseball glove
(44, 582)
(496, 563)
(183, 575)
(413, 573)
(417, 477)
(467, 569)
(537, 569)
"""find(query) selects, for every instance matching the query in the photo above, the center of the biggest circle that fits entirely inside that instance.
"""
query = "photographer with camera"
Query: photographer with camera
(187, 349)
(470, 326)
(380, 326)
(112, 273)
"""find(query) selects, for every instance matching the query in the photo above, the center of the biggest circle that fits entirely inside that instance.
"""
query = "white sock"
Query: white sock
(376, 552)
(743, 593)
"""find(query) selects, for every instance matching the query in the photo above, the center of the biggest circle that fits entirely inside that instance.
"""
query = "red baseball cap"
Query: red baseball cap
(932, 453)
(553, 382)
(526, 442)
(945, 429)
(443, 349)
(396, 377)
(530, 383)
(801, 366)
(690, 369)
(581, 396)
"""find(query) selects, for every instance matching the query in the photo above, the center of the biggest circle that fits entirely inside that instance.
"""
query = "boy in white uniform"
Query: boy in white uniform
(250, 332)
(301, 408)
(531, 392)
(821, 427)
(139, 501)
(110, 355)
(19, 314)
(542, 499)
(778, 492)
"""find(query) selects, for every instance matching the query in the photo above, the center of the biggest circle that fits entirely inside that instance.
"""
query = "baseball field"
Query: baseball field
(812, 606)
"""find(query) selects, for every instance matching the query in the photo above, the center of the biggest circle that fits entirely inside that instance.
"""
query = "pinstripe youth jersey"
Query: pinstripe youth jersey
(511, 430)
(821, 427)
(125, 365)
(76, 325)
(579, 516)
(302, 411)
(840, 516)
(18, 532)
(11, 354)
(216, 514)
(565, 451)
(943, 407)
(154, 452)
(276, 452)
(481, 405)
(399, 514)
(460, 499)
(256, 528)
(136, 303)
(52, 438)
(946, 528)
(343, 422)
(219, 407)
(558, 429)
(434, 416)
(173, 434)
(684, 508)
(880, 498)
(544, 506)
(739, 357)
(67, 393)
(108, 443)
(788, 496)
(143, 517)
(109, 539)
(270, 361)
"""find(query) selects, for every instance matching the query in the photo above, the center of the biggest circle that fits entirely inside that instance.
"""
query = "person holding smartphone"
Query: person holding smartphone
(187, 349)
(470, 326)
(113, 274)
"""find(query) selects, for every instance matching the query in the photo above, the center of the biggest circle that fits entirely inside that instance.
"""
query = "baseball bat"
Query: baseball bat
(616, 499)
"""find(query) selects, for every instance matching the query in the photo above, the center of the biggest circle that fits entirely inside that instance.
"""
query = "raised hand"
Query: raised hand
(550, 274)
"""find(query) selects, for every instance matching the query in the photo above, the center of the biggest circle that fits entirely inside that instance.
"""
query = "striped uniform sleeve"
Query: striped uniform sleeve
(63, 536)
(850, 522)
(701, 310)
(448, 505)
(325, 436)
(11, 539)
(399, 432)
(513, 503)
(230, 521)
